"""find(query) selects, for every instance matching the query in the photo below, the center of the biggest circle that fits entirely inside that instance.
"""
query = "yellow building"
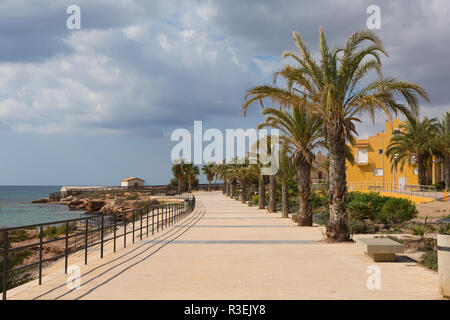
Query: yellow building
(374, 167)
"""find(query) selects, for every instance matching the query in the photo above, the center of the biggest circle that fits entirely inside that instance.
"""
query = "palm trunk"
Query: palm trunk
(421, 170)
(284, 200)
(337, 229)
(228, 189)
(304, 193)
(447, 172)
(189, 185)
(262, 193)
(243, 191)
(209, 185)
(224, 187)
(180, 181)
(232, 191)
(272, 194)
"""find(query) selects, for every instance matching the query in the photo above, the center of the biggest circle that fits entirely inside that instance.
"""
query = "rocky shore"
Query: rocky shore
(98, 202)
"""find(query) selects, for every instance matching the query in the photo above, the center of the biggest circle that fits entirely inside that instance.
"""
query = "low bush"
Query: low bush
(55, 231)
(363, 205)
(361, 227)
(397, 210)
(134, 196)
(429, 260)
(145, 204)
(440, 186)
(318, 200)
(255, 198)
(321, 216)
(418, 230)
(360, 210)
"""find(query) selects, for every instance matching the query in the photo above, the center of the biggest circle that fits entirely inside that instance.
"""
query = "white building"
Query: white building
(132, 182)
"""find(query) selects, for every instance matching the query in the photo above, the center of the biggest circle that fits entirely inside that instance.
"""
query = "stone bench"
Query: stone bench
(380, 249)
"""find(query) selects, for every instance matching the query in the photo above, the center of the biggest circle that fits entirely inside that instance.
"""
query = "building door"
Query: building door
(402, 183)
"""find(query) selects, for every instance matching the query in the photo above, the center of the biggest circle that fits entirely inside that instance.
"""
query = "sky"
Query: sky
(98, 104)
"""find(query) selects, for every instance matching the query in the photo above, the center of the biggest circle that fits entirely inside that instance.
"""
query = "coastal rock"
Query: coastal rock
(94, 206)
(43, 200)
(69, 198)
(76, 204)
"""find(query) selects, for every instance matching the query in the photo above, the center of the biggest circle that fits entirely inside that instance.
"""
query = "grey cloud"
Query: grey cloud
(145, 66)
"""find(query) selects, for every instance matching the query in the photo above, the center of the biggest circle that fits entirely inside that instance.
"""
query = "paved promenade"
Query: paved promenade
(227, 250)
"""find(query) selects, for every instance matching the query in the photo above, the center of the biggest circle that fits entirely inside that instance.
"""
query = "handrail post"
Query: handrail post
(101, 239)
(5, 264)
(40, 253)
(147, 221)
(140, 236)
(115, 227)
(153, 221)
(133, 223)
(66, 257)
(86, 240)
(125, 231)
(157, 219)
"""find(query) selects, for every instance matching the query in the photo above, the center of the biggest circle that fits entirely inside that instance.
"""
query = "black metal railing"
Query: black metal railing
(82, 233)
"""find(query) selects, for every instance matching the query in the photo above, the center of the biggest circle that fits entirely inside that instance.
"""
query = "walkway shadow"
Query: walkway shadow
(162, 239)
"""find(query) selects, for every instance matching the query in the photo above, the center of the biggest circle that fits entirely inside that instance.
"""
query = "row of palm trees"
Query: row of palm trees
(418, 142)
(320, 101)
(317, 104)
(183, 171)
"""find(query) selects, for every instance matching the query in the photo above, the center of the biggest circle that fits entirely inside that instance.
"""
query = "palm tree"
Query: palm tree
(178, 172)
(244, 174)
(285, 173)
(442, 146)
(220, 172)
(233, 177)
(256, 172)
(191, 172)
(335, 91)
(209, 170)
(265, 144)
(301, 134)
(414, 144)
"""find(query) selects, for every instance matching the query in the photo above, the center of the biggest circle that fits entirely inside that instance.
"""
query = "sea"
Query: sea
(17, 209)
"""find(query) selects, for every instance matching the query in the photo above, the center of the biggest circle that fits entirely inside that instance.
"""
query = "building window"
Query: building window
(320, 175)
(416, 171)
(378, 172)
(362, 156)
(396, 131)
(380, 151)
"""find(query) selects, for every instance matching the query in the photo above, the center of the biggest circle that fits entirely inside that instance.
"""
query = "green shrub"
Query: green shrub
(145, 204)
(317, 200)
(397, 210)
(418, 230)
(360, 210)
(429, 260)
(255, 198)
(359, 227)
(444, 229)
(321, 216)
(134, 196)
(365, 205)
(440, 186)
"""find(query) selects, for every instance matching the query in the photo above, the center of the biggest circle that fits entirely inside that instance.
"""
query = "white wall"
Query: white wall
(133, 183)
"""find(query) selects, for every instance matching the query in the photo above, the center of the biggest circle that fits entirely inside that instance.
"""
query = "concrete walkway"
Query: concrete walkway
(227, 250)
